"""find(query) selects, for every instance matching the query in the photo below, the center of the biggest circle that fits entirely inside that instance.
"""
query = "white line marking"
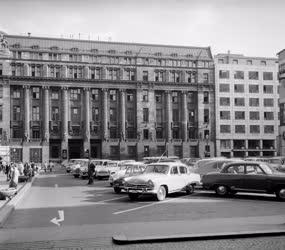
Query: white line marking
(123, 197)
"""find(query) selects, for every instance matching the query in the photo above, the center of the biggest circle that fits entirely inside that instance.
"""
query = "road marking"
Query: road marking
(60, 219)
(123, 197)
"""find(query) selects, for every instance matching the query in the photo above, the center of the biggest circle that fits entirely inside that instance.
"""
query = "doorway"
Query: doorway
(75, 149)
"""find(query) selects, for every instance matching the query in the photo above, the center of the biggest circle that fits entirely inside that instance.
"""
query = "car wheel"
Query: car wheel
(221, 190)
(76, 176)
(190, 189)
(117, 190)
(161, 193)
(280, 194)
(133, 197)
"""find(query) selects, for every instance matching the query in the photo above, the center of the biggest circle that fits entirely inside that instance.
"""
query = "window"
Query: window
(206, 115)
(254, 115)
(95, 94)
(268, 116)
(158, 97)
(235, 169)
(239, 101)
(239, 115)
(130, 74)
(240, 129)
(175, 133)
(254, 129)
(159, 133)
(36, 133)
(75, 114)
(253, 75)
(113, 115)
(145, 134)
(225, 128)
(95, 73)
(16, 113)
(36, 93)
(235, 61)
(113, 132)
(263, 63)
(159, 116)
(268, 89)
(54, 95)
(206, 97)
(190, 77)
(36, 113)
(205, 78)
(36, 70)
(145, 96)
(1, 69)
(113, 74)
(54, 113)
(145, 115)
(175, 115)
(249, 62)
(225, 115)
(225, 144)
(239, 88)
(224, 87)
(183, 170)
(269, 129)
(224, 74)
(145, 76)
(16, 93)
(130, 97)
(221, 61)
(253, 88)
(113, 95)
(74, 94)
(75, 72)
(159, 76)
(224, 101)
(267, 76)
(238, 74)
(95, 114)
(268, 102)
(253, 102)
(175, 97)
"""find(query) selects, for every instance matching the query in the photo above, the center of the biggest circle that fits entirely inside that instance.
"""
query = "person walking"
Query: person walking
(14, 176)
(91, 171)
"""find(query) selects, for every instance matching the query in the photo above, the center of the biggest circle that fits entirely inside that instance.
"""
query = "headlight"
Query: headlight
(150, 183)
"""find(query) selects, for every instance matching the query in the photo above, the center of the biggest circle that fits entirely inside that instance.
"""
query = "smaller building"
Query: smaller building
(247, 122)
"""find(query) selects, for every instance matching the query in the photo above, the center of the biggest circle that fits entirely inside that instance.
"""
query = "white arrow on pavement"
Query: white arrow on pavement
(60, 219)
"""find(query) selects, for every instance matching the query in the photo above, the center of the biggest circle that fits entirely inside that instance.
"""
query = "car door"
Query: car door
(232, 176)
(174, 180)
(255, 178)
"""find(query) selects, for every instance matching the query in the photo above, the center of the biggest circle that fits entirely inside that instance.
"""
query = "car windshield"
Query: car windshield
(113, 164)
(266, 168)
(162, 169)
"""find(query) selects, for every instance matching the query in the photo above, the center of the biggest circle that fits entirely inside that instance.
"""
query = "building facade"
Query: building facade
(65, 98)
(281, 75)
(246, 106)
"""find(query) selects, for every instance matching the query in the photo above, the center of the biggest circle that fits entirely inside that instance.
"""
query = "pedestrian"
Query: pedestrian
(91, 171)
(14, 176)
(21, 168)
(7, 171)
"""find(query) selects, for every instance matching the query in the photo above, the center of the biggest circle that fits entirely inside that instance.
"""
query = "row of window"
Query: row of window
(112, 60)
(236, 61)
(266, 144)
(240, 115)
(252, 75)
(240, 101)
(253, 129)
(252, 88)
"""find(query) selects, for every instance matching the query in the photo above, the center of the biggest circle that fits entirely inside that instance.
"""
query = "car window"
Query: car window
(163, 169)
(182, 170)
(235, 169)
(253, 169)
(128, 170)
(174, 170)
(136, 169)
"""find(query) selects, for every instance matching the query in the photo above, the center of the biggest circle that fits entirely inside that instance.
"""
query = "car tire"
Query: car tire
(190, 189)
(221, 190)
(133, 197)
(280, 194)
(161, 193)
(117, 190)
(76, 176)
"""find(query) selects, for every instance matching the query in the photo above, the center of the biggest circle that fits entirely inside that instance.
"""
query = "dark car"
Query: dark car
(247, 176)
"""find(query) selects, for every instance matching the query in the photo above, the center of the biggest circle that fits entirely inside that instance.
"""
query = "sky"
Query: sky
(248, 27)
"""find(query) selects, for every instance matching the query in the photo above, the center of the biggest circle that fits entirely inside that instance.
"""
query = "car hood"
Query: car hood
(143, 178)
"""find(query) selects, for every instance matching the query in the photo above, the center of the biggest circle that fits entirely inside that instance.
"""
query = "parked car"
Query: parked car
(130, 169)
(161, 179)
(247, 176)
(70, 165)
(153, 159)
(80, 168)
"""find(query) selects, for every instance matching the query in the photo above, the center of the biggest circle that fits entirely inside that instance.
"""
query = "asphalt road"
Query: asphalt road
(85, 205)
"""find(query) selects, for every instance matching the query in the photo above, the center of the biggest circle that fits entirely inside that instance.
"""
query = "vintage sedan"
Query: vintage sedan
(130, 169)
(247, 176)
(161, 179)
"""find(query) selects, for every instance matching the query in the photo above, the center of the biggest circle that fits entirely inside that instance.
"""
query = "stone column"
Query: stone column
(87, 122)
(184, 116)
(168, 116)
(65, 105)
(105, 114)
(123, 114)
(46, 114)
(27, 113)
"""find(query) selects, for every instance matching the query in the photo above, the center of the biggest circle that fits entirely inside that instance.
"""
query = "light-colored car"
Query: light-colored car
(104, 171)
(161, 179)
(70, 165)
(129, 169)
(80, 167)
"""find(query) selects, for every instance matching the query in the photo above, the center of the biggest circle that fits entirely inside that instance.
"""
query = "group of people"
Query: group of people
(13, 171)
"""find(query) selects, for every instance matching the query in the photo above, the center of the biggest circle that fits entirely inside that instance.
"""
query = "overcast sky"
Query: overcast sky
(249, 27)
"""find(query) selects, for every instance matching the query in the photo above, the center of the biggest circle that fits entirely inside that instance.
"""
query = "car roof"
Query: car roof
(168, 163)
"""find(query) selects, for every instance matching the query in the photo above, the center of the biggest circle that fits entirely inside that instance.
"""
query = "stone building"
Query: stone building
(67, 98)
(246, 105)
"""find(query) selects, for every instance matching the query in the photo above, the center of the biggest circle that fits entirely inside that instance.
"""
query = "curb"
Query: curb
(122, 239)
(10, 205)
